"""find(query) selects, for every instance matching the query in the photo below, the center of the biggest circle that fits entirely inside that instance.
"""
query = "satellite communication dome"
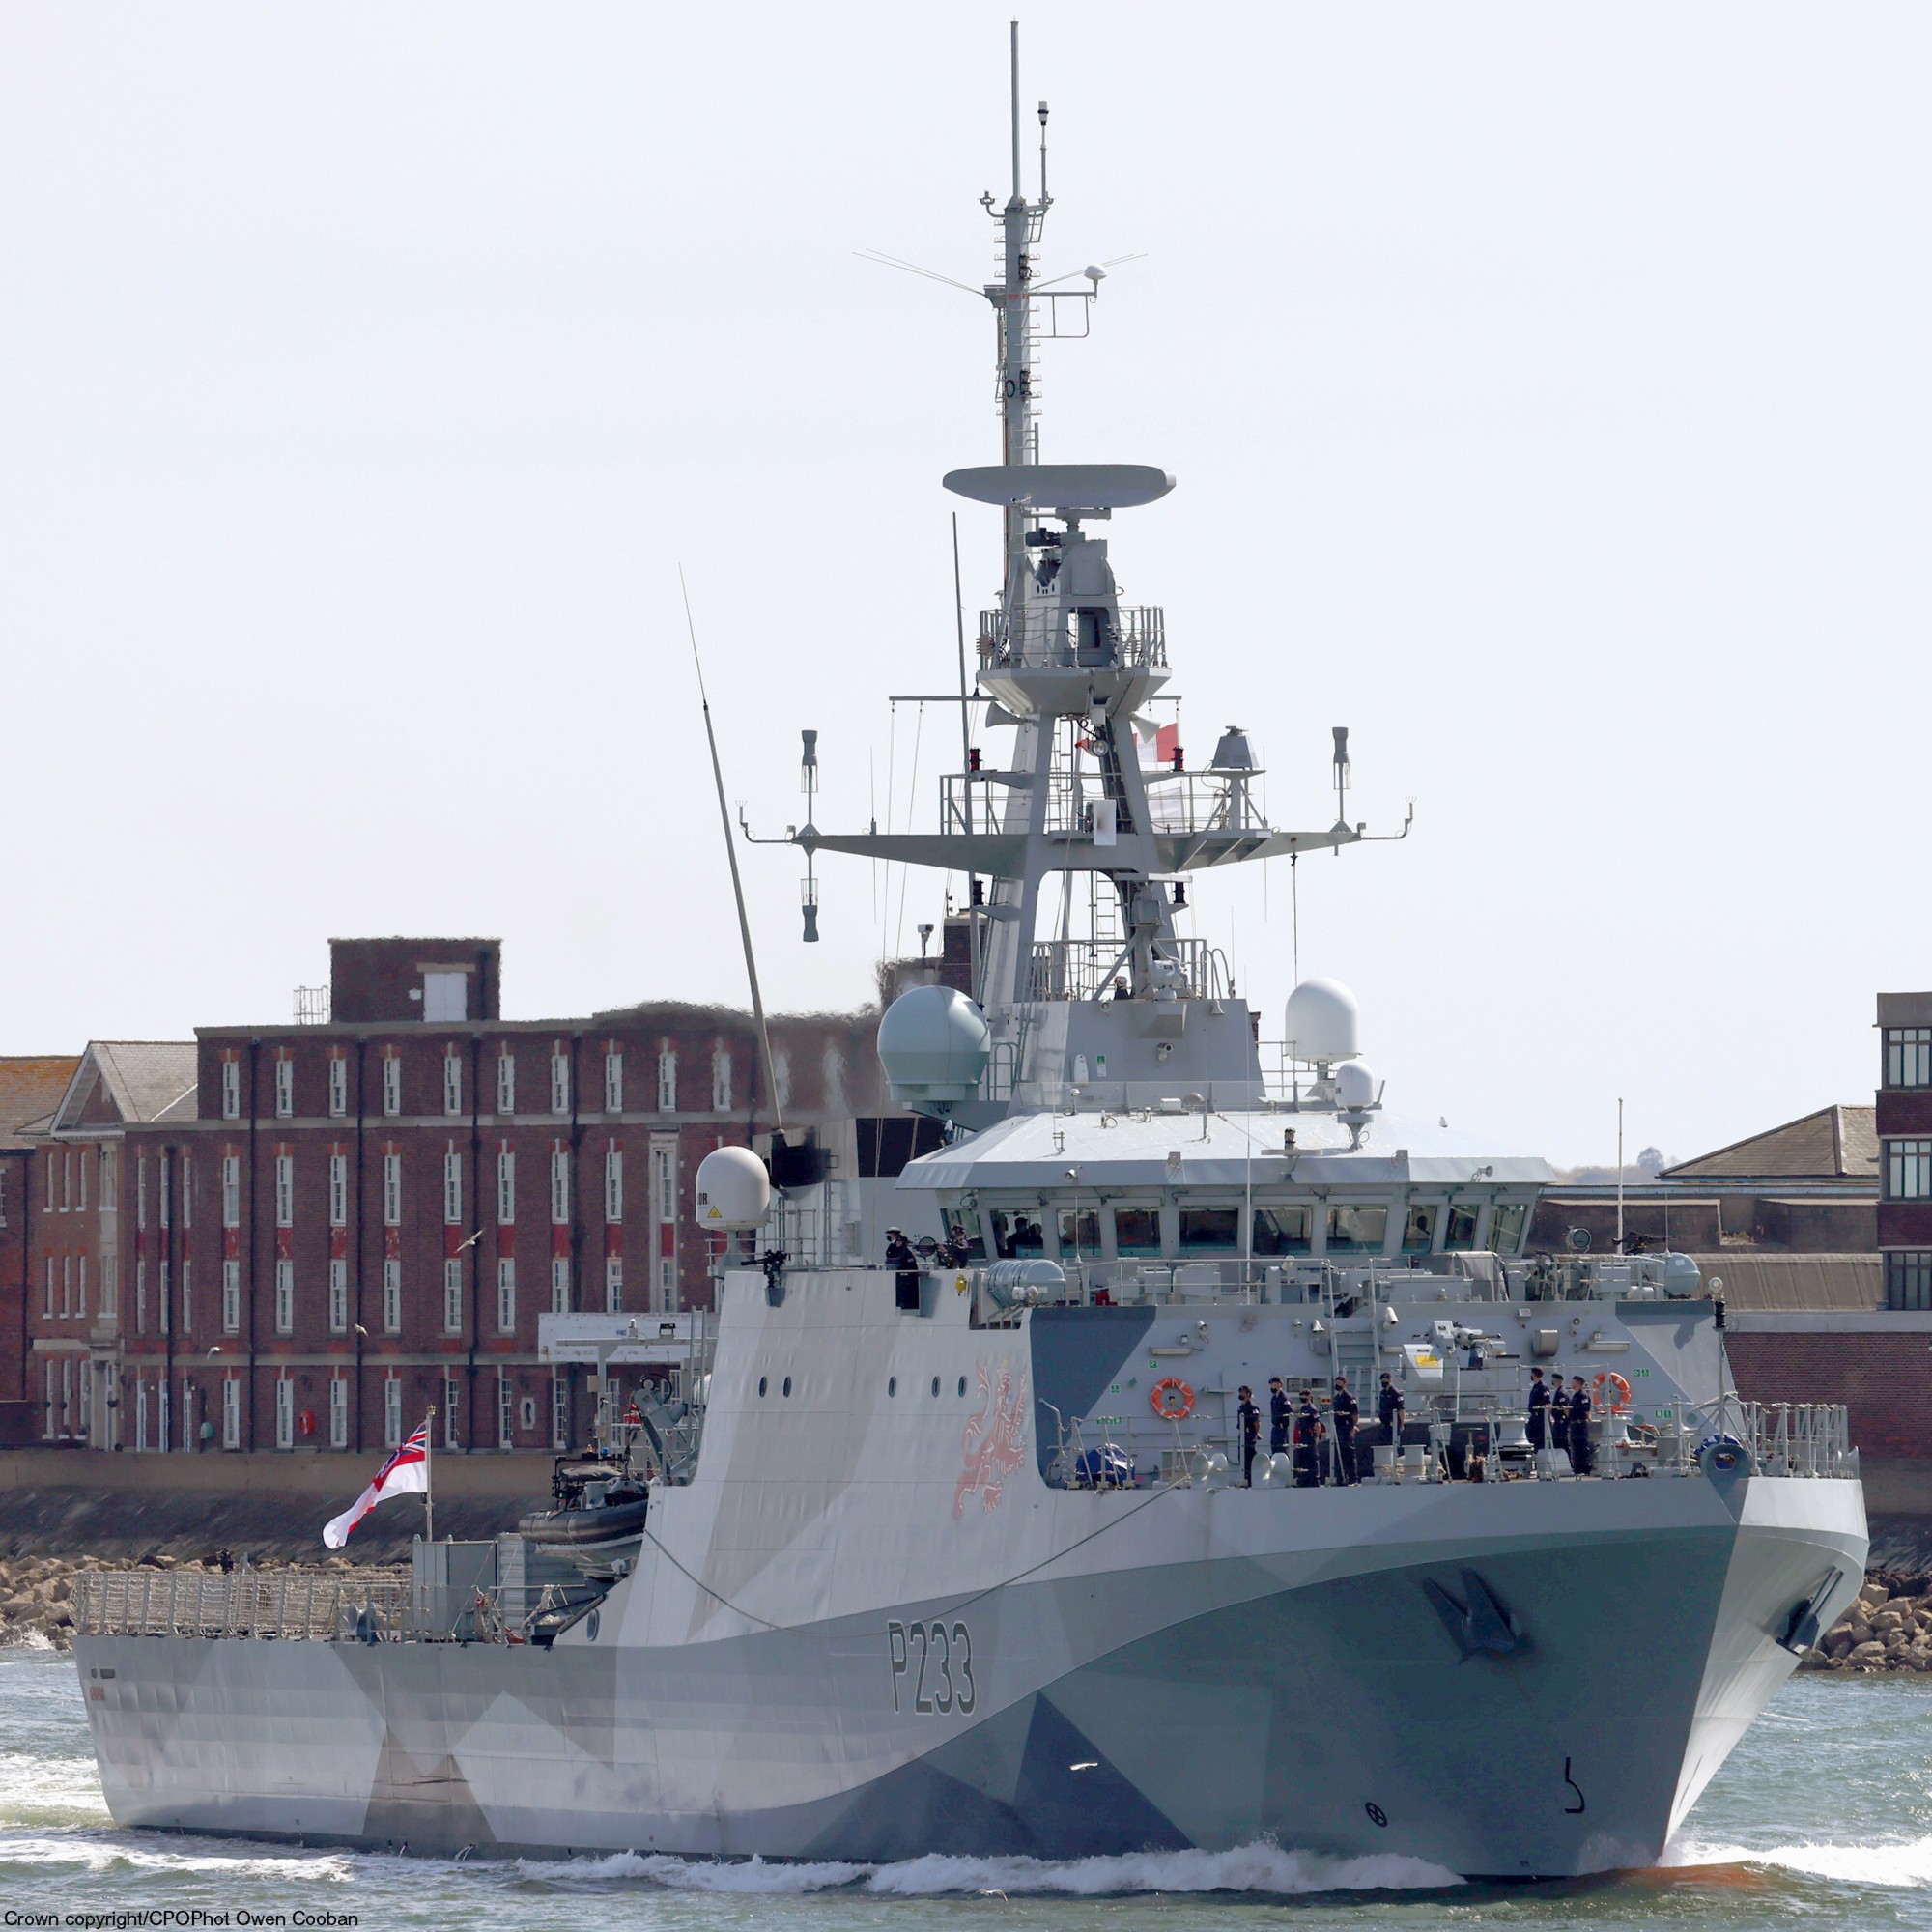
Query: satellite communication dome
(734, 1192)
(934, 1044)
(1322, 1021)
(1354, 1086)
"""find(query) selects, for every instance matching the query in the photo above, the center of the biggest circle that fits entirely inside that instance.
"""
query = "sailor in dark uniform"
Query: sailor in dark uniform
(1347, 1412)
(1307, 1438)
(1580, 1426)
(1277, 1416)
(1249, 1420)
(1388, 1404)
(1539, 1410)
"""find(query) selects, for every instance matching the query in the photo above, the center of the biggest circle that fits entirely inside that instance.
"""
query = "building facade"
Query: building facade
(1905, 1148)
(333, 1228)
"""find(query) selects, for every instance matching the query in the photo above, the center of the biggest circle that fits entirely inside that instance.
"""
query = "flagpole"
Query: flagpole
(428, 1484)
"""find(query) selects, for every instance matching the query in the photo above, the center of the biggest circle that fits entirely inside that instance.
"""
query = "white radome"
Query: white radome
(734, 1191)
(934, 1044)
(1354, 1086)
(1322, 1021)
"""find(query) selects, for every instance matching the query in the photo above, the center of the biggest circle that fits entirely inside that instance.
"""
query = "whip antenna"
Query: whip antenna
(731, 854)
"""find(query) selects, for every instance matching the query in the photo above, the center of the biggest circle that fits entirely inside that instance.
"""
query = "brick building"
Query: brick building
(303, 1236)
(31, 1086)
(1905, 1141)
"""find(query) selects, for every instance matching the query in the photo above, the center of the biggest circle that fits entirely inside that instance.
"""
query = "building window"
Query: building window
(506, 1296)
(163, 1287)
(285, 1190)
(445, 996)
(338, 1190)
(613, 1079)
(392, 1295)
(285, 1087)
(80, 1161)
(506, 1083)
(506, 1186)
(613, 1283)
(506, 1413)
(187, 1294)
(559, 1081)
(393, 1190)
(338, 1086)
(338, 1412)
(452, 1188)
(560, 1413)
(559, 1284)
(140, 1296)
(1908, 1170)
(559, 1186)
(187, 1186)
(613, 1182)
(231, 1090)
(111, 1192)
(47, 1401)
(452, 1296)
(231, 1297)
(285, 1412)
(285, 1297)
(231, 1413)
(721, 1080)
(392, 1412)
(140, 1190)
(452, 1084)
(47, 1307)
(67, 1285)
(667, 1080)
(664, 1215)
(392, 1083)
(110, 1285)
(1908, 1278)
(450, 1437)
(339, 1297)
(3, 1197)
(231, 1190)
(1908, 1056)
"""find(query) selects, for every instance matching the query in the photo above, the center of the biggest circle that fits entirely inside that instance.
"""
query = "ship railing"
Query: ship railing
(1048, 637)
(369, 1605)
(1083, 969)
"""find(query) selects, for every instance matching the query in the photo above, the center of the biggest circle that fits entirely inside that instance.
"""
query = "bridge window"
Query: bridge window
(1211, 1230)
(1418, 1230)
(1137, 1230)
(1017, 1234)
(1080, 1233)
(1506, 1226)
(1282, 1231)
(1357, 1230)
(1459, 1234)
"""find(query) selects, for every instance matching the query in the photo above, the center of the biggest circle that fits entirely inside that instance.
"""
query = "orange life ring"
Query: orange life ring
(1173, 1400)
(1607, 1378)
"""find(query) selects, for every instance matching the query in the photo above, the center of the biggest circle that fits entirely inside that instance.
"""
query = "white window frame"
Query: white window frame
(506, 1186)
(392, 1295)
(559, 1284)
(614, 1284)
(285, 1087)
(613, 1079)
(338, 1086)
(231, 1297)
(81, 1272)
(721, 1080)
(110, 1185)
(285, 1190)
(452, 1188)
(392, 1412)
(338, 1411)
(186, 1187)
(452, 1296)
(451, 1394)
(445, 997)
(285, 1412)
(506, 1294)
(338, 1297)
(666, 1079)
(392, 1083)
(452, 1084)
(285, 1297)
(614, 1183)
(80, 1161)
(338, 1190)
(559, 1081)
(506, 1412)
(506, 1083)
(231, 1090)
(560, 1413)
(231, 1190)
(231, 1413)
(186, 1291)
(559, 1185)
(393, 1190)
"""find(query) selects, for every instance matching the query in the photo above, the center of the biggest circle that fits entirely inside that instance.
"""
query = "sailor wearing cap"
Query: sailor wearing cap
(1347, 1411)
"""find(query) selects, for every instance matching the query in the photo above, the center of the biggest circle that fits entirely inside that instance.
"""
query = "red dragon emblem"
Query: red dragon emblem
(994, 1441)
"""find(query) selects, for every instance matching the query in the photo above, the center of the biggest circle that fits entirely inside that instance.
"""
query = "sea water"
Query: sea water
(1822, 1817)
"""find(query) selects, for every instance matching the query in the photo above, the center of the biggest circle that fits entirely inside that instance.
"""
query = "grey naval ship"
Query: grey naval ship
(956, 1548)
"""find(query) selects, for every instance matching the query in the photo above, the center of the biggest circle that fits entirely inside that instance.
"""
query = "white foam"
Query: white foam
(97, 1854)
(1904, 1863)
(1258, 1868)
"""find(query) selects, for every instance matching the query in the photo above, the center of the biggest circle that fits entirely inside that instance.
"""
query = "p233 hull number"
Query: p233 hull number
(932, 1669)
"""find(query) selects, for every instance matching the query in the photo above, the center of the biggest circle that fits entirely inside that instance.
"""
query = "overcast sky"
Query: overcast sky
(1547, 385)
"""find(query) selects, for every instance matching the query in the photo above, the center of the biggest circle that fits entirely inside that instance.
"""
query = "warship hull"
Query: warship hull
(1205, 1668)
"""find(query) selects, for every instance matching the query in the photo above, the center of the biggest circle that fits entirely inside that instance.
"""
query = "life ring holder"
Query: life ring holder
(1173, 1400)
(1608, 1380)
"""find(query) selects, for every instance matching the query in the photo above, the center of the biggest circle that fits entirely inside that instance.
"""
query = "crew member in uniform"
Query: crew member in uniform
(1249, 1420)
(1277, 1416)
(1347, 1412)
(1389, 1406)
(1307, 1438)
(1580, 1426)
(1539, 1410)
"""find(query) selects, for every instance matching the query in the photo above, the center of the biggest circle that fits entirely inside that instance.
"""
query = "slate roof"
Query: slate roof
(119, 1082)
(1834, 1143)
